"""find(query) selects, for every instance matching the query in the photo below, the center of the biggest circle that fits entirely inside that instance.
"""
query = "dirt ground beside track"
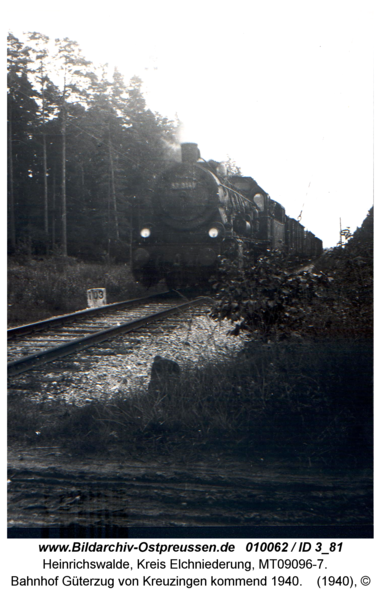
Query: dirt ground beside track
(47, 488)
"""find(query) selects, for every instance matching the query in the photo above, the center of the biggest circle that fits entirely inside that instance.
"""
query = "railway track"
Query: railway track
(83, 315)
(35, 344)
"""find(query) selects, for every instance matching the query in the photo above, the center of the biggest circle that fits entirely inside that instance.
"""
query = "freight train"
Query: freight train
(197, 216)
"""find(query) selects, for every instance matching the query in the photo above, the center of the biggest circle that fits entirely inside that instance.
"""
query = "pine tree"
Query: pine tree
(75, 78)
(92, 138)
(22, 109)
(48, 102)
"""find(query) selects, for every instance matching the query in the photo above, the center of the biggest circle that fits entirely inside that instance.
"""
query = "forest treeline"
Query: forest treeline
(83, 151)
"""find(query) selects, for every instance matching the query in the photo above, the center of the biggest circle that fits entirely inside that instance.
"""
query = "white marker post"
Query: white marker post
(96, 297)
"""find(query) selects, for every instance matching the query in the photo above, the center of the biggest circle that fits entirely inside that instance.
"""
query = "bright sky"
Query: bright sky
(284, 88)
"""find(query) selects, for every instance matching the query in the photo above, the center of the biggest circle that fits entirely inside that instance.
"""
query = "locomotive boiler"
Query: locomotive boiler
(197, 215)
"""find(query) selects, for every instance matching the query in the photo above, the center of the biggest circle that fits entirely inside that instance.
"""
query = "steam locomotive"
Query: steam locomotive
(197, 215)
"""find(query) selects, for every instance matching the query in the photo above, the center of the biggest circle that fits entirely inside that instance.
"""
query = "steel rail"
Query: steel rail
(87, 312)
(33, 361)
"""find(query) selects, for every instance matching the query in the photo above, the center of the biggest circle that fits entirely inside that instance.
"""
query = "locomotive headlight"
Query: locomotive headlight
(145, 232)
(216, 230)
(213, 232)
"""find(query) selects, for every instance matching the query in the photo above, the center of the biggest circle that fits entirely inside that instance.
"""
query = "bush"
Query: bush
(270, 298)
(266, 297)
(42, 289)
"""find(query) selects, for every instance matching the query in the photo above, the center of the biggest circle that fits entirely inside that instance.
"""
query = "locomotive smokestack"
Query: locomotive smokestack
(189, 153)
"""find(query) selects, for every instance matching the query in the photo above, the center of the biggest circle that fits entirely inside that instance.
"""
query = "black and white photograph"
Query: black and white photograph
(190, 270)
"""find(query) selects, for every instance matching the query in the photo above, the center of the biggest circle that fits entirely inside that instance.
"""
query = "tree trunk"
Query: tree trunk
(64, 216)
(113, 192)
(11, 202)
(46, 207)
(54, 212)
